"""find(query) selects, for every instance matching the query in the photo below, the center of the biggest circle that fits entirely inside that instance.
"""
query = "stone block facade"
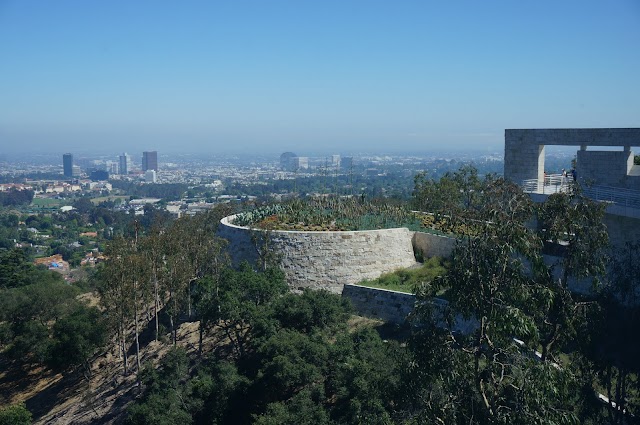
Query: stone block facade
(524, 149)
(396, 307)
(523, 156)
(388, 306)
(605, 168)
(431, 245)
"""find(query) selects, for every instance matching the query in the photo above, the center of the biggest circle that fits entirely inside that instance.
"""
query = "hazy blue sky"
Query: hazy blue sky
(311, 75)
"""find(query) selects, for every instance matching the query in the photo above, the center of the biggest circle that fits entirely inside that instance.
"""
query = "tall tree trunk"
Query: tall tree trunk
(623, 396)
(156, 304)
(136, 325)
(200, 337)
(609, 394)
(174, 322)
(123, 348)
(189, 299)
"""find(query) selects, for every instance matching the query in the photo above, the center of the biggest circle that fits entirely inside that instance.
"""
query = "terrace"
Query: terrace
(555, 183)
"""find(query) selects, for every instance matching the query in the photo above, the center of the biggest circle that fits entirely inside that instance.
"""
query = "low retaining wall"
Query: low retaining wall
(389, 306)
(433, 245)
(395, 307)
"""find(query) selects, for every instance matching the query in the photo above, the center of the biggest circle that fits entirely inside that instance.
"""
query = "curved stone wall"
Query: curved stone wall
(325, 260)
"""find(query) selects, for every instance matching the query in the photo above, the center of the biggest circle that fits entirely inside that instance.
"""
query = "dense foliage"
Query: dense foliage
(328, 213)
(15, 414)
(16, 197)
(41, 320)
(299, 364)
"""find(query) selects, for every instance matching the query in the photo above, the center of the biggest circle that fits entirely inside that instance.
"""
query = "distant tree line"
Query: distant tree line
(165, 191)
(14, 197)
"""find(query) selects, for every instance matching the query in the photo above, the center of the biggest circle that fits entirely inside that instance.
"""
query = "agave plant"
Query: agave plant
(330, 213)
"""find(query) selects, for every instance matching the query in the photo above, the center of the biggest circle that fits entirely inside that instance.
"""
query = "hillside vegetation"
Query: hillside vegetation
(176, 335)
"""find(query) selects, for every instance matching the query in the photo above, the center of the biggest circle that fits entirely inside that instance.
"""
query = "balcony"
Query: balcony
(620, 201)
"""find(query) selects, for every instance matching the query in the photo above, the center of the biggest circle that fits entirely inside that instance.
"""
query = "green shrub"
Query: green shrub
(16, 414)
(408, 280)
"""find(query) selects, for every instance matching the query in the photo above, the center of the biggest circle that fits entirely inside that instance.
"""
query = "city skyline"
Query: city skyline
(363, 76)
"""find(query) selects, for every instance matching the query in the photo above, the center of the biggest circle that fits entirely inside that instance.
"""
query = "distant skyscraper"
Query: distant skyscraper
(346, 162)
(150, 161)
(335, 160)
(125, 164)
(300, 163)
(111, 167)
(287, 160)
(99, 175)
(67, 164)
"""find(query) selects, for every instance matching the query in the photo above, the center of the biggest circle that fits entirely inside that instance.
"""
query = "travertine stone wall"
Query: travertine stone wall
(389, 306)
(433, 245)
(523, 156)
(395, 307)
(326, 260)
(607, 168)
(622, 229)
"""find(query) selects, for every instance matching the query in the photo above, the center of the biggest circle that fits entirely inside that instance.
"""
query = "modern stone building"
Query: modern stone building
(605, 175)
(524, 154)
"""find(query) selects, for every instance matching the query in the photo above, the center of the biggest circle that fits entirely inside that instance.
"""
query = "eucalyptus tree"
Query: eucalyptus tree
(152, 249)
(123, 288)
(138, 273)
(176, 274)
(204, 251)
(573, 224)
(456, 197)
(494, 279)
(614, 347)
(115, 292)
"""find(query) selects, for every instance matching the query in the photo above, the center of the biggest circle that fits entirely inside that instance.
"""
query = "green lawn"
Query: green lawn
(406, 280)
(47, 202)
(96, 201)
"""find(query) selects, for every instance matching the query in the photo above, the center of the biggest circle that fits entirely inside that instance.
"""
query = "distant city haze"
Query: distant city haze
(315, 78)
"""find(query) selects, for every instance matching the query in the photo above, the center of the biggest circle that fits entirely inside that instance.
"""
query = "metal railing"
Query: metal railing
(615, 195)
(554, 183)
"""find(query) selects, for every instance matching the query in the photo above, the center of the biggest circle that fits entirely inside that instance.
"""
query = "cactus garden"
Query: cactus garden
(329, 214)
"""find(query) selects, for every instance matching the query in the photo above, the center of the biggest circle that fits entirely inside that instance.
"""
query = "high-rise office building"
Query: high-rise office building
(111, 167)
(125, 164)
(99, 175)
(67, 164)
(335, 161)
(286, 161)
(346, 162)
(300, 163)
(150, 161)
